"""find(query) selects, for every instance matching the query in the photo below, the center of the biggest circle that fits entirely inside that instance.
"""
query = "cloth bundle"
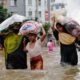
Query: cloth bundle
(71, 26)
(30, 26)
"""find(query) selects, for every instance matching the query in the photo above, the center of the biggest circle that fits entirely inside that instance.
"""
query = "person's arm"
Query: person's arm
(25, 50)
(24, 45)
(43, 34)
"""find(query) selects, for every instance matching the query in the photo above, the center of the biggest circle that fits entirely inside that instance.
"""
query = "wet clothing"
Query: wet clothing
(36, 60)
(36, 50)
(68, 49)
(67, 41)
(68, 54)
(15, 57)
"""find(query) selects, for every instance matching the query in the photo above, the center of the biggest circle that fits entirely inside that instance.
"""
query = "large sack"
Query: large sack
(30, 26)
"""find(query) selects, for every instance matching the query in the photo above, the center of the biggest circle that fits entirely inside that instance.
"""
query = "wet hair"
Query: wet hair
(15, 30)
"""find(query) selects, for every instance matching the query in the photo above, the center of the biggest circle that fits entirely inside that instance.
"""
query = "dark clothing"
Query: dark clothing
(67, 50)
(55, 33)
(1, 40)
(69, 54)
(18, 58)
(78, 42)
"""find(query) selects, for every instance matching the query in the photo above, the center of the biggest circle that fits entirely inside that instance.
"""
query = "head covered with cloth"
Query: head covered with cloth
(67, 39)
(15, 57)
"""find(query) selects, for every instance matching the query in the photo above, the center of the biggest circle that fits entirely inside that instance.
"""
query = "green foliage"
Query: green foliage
(46, 26)
(36, 18)
(3, 13)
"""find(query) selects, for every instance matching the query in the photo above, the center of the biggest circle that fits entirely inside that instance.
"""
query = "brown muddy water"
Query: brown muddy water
(52, 69)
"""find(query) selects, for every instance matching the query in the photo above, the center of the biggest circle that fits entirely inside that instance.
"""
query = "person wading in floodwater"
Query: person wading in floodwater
(15, 57)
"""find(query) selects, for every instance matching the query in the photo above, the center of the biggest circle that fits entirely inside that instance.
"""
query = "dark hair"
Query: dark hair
(50, 40)
(33, 34)
(61, 25)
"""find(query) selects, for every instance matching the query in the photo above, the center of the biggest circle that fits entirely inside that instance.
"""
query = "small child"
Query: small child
(50, 46)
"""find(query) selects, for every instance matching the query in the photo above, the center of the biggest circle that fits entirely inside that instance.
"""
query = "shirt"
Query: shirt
(36, 50)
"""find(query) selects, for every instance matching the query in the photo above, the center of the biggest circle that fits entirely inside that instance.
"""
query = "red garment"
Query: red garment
(35, 62)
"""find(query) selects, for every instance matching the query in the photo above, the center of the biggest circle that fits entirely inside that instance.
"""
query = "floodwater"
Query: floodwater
(52, 69)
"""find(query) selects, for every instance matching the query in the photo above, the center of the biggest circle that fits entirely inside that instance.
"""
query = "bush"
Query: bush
(46, 27)
(3, 13)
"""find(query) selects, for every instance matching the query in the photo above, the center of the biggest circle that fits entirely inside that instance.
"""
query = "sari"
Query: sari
(15, 57)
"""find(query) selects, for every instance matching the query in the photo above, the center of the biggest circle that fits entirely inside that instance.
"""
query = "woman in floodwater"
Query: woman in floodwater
(67, 46)
(15, 57)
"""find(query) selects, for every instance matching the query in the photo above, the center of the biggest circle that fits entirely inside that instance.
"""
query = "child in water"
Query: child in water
(50, 46)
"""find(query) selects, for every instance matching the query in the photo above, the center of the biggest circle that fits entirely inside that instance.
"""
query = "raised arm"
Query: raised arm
(43, 34)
